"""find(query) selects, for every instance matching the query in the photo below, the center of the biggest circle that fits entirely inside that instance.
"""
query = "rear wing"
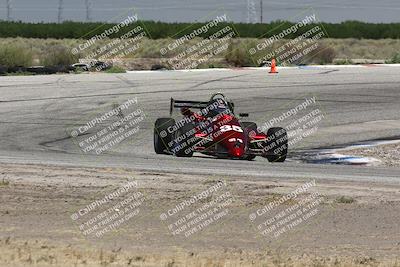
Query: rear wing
(192, 104)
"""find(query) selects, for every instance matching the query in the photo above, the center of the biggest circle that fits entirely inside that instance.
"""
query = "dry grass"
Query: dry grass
(58, 55)
(345, 200)
(15, 55)
(340, 50)
(4, 182)
(39, 253)
(395, 59)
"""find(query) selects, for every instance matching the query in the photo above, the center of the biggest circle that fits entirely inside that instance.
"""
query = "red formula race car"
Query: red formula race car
(215, 130)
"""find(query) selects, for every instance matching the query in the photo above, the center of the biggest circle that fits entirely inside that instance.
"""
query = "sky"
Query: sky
(191, 10)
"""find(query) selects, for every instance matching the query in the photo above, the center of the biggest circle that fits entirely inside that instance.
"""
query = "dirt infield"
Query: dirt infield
(356, 223)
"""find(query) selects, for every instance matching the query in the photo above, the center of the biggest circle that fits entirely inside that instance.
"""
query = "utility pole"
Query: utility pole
(9, 10)
(60, 10)
(251, 12)
(261, 11)
(88, 7)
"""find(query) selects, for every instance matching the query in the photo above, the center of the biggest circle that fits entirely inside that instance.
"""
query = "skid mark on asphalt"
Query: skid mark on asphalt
(328, 71)
(217, 80)
(205, 89)
(47, 143)
(167, 91)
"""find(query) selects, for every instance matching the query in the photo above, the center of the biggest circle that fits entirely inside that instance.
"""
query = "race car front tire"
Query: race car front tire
(185, 135)
(161, 136)
(277, 144)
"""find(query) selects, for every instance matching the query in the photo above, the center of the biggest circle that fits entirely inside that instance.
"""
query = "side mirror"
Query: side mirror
(244, 115)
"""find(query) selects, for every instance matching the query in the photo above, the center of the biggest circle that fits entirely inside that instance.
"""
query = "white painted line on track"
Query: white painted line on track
(311, 67)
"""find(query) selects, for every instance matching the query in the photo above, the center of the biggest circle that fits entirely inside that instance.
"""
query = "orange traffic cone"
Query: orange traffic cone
(273, 66)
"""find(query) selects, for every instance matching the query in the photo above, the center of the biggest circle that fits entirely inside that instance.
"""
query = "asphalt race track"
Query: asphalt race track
(359, 103)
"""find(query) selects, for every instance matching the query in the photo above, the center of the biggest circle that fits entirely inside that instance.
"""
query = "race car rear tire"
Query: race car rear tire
(160, 128)
(184, 147)
(278, 143)
(250, 128)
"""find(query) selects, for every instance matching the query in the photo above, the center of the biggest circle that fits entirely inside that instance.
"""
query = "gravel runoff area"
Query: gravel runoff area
(355, 224)
(388, 154)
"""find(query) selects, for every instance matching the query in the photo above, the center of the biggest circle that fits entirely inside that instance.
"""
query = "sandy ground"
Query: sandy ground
(388, 155)
(356, 223)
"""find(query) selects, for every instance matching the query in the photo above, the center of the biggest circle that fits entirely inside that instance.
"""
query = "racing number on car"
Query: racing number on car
(226, 128)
